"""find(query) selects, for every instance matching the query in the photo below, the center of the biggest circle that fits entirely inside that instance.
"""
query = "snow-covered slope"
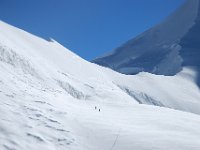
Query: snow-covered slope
(48, 97)
(164, 49)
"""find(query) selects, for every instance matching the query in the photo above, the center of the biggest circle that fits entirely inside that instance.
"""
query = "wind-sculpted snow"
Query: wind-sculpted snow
(71, 90)
(142, 98)
(52, 99)
(10, 57)
(33, 124)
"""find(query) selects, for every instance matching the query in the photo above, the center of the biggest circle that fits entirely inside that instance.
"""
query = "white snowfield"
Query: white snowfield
(48, 97)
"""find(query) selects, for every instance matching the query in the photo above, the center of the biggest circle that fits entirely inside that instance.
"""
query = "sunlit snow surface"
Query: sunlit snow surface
(48, 97)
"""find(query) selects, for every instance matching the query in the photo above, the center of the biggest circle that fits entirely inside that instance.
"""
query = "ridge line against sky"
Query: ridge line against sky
(87, 27)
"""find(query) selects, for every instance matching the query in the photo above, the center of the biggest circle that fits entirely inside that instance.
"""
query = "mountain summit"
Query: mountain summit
(164, 49)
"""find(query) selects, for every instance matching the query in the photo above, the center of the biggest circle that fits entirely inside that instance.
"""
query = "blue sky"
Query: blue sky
(87, 27)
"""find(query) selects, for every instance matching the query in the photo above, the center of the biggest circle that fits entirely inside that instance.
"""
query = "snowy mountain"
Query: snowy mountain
(164, 49)
(48, 96)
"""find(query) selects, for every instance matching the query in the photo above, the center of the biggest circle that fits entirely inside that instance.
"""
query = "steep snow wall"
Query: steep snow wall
(163, 49)
(190, 43)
